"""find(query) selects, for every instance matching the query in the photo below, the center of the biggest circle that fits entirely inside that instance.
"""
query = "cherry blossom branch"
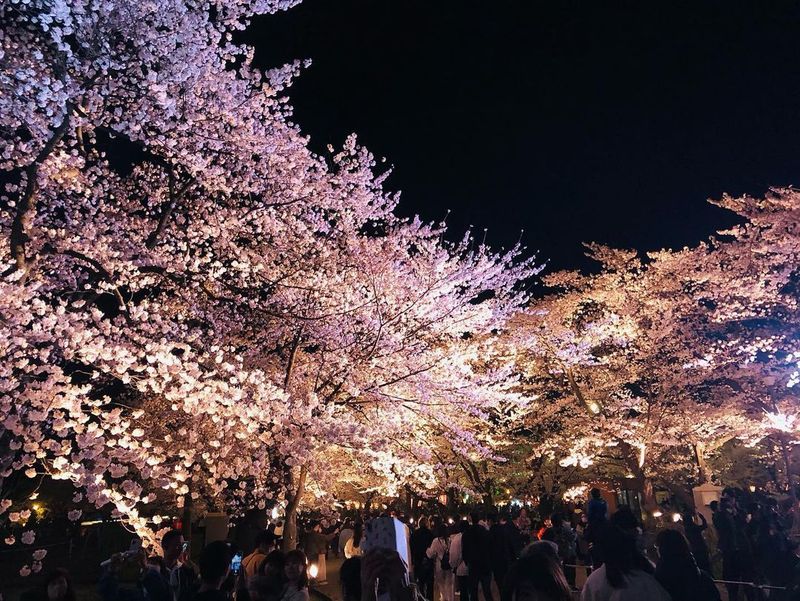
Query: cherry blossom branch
(174, 198)
(27, 203)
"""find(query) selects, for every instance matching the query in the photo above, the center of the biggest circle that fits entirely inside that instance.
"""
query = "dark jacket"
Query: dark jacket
(421, 539)
(476, 549)
(685, 582)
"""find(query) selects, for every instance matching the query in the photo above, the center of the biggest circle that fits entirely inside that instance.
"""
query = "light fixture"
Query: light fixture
(275, 513)
(657, 513)
(410, 520)
(676, 517)
(594, 407)
(313, 570)
(449, 520)
(752, 488)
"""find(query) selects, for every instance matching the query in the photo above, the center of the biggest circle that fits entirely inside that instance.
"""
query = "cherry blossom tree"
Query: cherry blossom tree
(223, 316)
(653, 363)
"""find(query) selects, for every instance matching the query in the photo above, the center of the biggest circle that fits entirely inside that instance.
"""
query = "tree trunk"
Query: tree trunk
(186, 518)
(787, 466)
(290, 519)
(702, 465)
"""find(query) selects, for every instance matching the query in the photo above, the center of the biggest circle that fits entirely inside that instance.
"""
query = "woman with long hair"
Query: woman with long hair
(626, 574)
(353, 546)
(536, 576)
(677, 570)
(439, 553)
(296, 572)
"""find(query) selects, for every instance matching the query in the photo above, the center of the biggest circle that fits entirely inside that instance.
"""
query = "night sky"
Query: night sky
(576, 121)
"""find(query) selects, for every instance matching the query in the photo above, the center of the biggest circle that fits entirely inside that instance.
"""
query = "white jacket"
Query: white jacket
(456, 560)
(639, 586)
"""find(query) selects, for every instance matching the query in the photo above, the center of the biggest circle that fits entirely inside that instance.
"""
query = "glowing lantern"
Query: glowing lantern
(313, 570)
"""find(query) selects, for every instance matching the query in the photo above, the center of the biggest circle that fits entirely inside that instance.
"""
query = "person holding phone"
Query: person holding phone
(181, 573)
(215, 566)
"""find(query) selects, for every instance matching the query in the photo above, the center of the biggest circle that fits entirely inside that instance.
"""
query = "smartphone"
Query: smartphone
(185, 547)
(236, 563)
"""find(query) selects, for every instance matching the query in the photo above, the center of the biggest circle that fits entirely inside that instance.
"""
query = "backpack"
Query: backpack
(445, 561)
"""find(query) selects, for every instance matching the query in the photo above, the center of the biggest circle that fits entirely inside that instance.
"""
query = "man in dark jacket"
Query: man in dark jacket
(503, 540)
(476, 550)
(421, 539)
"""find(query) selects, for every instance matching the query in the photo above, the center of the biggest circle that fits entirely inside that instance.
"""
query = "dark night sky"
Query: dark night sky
(576, 121)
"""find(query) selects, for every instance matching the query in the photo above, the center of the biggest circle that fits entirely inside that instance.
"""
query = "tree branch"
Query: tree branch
(27, 203)
(174, 197)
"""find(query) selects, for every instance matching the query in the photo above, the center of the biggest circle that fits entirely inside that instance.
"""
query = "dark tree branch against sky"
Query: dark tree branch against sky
(576, 121)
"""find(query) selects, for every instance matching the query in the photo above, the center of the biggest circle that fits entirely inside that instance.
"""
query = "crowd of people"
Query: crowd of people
(489, 555)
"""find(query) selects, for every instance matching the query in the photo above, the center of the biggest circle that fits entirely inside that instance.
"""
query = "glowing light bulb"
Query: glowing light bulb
(676, 517)
(752, 488)
(274, 513)
(449, 520)
(410, 520)
(313, 570)
(657, 514)
(594, 407)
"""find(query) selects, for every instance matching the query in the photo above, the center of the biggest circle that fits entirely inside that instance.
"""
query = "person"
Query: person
(625, 574)
(536, 576)
(597, 508)
(439, 552)
(694, 534)
(626, 520)
(296, 574)
(596, 516)
(383, 575)
(345, 534)
(353, 546)
(677, 571)
(501, 543)
(267, 583)
(315, 545)
(55, 586)
(419, 543)
(252, 563)
(350, 579)
(215, 565)
(736, 562)
(179, 572)
(562, 534)
(459, 567)
(128, 577)
(476, 549)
